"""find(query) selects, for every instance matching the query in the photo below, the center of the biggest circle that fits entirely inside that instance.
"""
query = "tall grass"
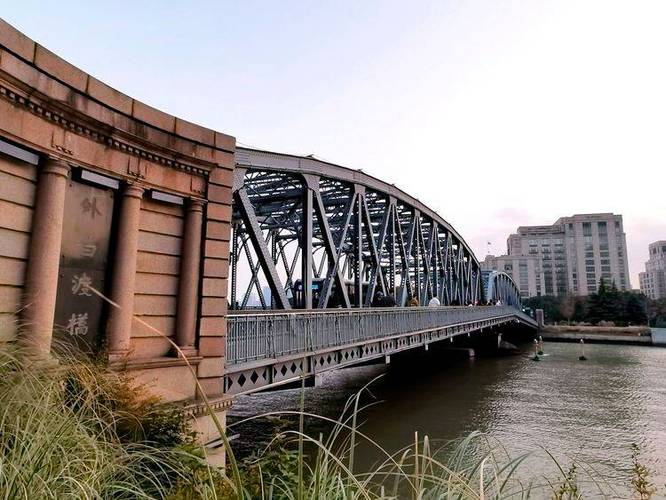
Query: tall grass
(296, 465)
(74, 429)
(475, 467)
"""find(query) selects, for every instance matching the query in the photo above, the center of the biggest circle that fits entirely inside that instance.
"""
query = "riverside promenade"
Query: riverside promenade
(636, 335)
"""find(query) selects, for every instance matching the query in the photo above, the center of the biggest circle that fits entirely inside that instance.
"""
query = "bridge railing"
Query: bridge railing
(259, 335)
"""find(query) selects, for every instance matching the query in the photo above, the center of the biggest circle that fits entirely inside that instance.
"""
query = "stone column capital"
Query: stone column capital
(133, 190)
(194, 205)
(55, 166)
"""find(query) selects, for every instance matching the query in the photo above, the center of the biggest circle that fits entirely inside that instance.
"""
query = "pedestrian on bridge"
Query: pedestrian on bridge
(413, 302)
(378, 299)
(382, 300)
(388, 301)
(434, 302)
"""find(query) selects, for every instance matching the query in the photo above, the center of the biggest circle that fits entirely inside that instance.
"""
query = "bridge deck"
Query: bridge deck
(272, 348)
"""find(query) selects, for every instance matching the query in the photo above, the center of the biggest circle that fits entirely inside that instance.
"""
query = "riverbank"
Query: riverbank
(629, 335)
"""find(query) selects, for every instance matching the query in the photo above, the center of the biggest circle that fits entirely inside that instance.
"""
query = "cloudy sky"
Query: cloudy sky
(495, 114)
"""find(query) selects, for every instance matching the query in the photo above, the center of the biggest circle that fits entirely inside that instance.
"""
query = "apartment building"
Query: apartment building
(574, 253)
(653, 280)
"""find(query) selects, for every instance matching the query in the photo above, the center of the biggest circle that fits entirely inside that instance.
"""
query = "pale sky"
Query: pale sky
(495, 114)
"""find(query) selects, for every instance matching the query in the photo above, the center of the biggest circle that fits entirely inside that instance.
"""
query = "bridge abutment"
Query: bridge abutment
(100, 192)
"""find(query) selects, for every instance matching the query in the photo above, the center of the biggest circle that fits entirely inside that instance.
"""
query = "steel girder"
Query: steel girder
(309, 234)
(499, 286)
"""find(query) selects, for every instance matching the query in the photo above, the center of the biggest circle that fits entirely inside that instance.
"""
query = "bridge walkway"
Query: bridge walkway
(272, 348)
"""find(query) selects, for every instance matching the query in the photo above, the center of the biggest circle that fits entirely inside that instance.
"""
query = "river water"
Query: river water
(588, 410)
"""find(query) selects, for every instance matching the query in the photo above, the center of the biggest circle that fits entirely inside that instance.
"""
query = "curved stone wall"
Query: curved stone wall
(98, 189)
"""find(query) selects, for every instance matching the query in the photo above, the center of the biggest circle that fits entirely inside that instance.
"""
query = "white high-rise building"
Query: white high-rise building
(574, 253)
(653, 280)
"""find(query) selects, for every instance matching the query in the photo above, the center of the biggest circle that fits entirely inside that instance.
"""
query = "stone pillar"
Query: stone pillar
(119, 327)
(41, 282)
(190, 263)
(539, 318)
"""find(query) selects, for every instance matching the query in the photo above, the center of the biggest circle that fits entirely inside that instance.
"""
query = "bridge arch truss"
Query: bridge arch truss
(308, 234)
(499, 286)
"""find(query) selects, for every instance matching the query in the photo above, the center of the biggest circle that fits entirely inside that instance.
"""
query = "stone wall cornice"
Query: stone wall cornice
(45, 84)
(107, 136)
(199, 408)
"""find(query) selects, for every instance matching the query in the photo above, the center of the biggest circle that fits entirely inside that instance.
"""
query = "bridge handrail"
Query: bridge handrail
(259, 335)
(363, 310)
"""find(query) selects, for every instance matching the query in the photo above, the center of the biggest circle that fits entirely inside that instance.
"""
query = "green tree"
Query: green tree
(568, 307)
(656, 310)
(601, 292)
(596, 304)
(636, 309)
(607, 304)
(614, 305)
(580, 309)
(551, 307)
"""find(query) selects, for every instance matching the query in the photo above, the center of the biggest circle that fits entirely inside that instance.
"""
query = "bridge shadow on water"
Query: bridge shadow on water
(591, 411)
(439, 392)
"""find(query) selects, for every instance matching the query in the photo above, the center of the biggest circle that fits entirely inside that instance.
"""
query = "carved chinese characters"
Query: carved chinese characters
(83, 263)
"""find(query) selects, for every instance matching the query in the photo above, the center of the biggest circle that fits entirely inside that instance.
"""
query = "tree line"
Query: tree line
(608, 304)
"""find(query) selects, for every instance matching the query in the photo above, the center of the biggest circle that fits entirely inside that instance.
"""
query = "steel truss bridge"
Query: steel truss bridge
(316, 247)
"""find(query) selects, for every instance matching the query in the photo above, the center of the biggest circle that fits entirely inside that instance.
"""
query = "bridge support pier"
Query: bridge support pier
(318, 378)
(540, 319)
(464, 352)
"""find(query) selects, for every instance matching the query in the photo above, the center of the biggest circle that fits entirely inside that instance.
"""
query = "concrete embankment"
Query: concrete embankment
(636, 335)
